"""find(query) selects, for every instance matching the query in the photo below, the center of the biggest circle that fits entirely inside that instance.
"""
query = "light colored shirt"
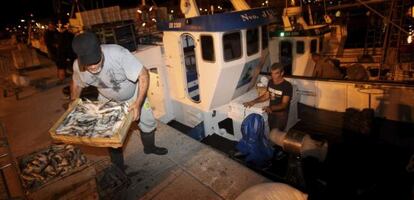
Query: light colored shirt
(118, 78)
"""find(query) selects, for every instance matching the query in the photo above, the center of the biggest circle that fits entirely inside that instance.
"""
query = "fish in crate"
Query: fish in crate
(94, 119)
(40, 167)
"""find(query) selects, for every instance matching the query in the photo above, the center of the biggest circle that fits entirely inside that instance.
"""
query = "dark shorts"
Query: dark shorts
(278, 120)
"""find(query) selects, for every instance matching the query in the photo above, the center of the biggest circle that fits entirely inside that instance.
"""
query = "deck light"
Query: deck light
(411, 12)
(338, 13)
(282, 34)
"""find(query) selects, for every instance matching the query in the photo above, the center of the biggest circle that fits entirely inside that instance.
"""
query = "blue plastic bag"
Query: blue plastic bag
(254, 144)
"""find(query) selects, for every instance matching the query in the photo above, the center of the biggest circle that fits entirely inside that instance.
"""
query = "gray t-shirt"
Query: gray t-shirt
(118, 78)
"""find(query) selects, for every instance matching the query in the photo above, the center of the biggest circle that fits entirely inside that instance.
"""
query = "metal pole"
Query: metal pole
(387, 20)
(310, 15)
(386, 39)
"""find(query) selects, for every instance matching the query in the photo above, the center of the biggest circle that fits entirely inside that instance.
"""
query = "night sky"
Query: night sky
(14, 10)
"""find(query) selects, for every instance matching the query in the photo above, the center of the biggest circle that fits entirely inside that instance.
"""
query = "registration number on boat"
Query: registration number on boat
(174, 25)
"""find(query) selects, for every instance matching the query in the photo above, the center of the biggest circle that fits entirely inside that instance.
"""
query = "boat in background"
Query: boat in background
(204, 69)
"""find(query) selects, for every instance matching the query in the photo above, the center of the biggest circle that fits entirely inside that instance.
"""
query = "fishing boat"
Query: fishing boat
(206, 68)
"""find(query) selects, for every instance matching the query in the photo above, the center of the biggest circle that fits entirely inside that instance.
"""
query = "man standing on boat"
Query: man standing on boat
(325, 68)
(118, 75)
(279, 93)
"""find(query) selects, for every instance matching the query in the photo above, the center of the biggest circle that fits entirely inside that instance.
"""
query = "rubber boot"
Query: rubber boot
(117, 157)
(148, 140)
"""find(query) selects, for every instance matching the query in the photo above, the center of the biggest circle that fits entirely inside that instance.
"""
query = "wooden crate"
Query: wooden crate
(85, 191)
(111, 14)
(89, 17)
(129, 14)
(25, 58)
(115, 141)
(59, 185)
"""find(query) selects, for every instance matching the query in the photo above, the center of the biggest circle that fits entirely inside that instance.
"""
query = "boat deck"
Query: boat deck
(358, 166)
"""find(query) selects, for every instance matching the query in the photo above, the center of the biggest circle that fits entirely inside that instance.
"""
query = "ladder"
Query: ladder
(394, 35)
(393, 21)
(374, 36)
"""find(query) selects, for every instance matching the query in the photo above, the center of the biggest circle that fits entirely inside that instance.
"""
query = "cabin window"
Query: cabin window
(232, 48)
(190, 64)
(300, 47)
(286, 57)
(313, 46)
(207, 47)
(265, 37)
(252, 40)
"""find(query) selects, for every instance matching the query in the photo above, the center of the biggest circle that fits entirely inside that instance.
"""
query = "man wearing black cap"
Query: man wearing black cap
(118, 75)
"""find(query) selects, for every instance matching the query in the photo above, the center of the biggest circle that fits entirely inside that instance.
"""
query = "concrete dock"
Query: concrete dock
(191, 170)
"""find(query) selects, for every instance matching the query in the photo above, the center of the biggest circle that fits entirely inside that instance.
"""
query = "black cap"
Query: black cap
(87, 47)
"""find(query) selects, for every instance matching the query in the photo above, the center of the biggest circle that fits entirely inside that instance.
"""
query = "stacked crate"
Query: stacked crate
(122, 33)
(25, 57)
(129, 14)
(111, 14)
(89, 18)
(97, 16)
(125, 36)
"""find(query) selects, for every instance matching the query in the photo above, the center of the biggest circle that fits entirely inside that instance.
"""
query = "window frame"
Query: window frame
(265, 27)
(241, 46)
(313, 41)
(201, 45)
(303, 47)
(256, 51)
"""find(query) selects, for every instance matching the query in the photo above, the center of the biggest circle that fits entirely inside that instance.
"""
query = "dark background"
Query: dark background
(43, 10)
